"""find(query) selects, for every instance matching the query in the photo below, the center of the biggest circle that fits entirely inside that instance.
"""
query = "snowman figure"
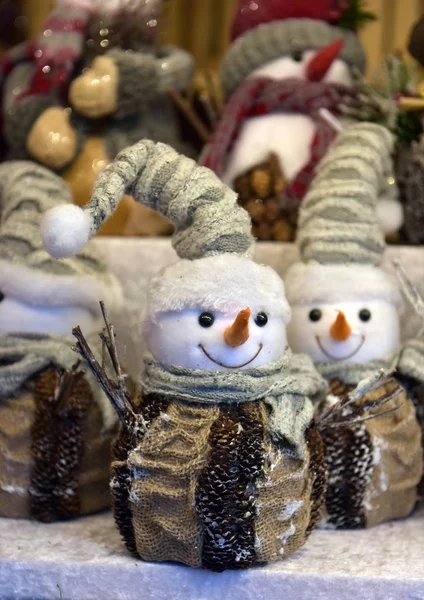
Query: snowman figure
(56, 428)
(288, 61)
(345, 316)
(218, 464)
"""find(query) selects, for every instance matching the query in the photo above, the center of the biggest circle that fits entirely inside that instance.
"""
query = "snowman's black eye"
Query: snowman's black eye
(1, 296)
(261, 319)
(297, 56)
(315, 315)
(365, 315)
(206, 320)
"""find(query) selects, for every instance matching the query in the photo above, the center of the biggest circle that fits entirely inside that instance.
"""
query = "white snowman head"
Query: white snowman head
(217, 313)
(313, 65)
(215, 309)
(38, 294)
(344, 321)
(345, 307)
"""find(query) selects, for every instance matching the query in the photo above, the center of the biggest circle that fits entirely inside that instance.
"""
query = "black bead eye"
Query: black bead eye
(261, 319)
(315, 315)
(1, 296)
(206, 320)
(297, 56)
(365, 315)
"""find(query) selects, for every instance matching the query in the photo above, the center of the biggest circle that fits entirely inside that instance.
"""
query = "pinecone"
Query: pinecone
(259, 191)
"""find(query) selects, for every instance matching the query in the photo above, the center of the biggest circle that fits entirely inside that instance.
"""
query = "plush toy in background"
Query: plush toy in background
(55, 427)
(288, 61)
(217, 464)
(93, 83)
(345, 316)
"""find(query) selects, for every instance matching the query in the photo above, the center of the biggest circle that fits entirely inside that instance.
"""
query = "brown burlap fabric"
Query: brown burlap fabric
(373, 468)
(54, 461)
(207, 487)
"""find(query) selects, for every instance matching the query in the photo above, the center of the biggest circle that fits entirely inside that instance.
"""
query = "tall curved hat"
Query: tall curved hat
(265, 30)
(340, 242)
(212, 235)
(27, 272)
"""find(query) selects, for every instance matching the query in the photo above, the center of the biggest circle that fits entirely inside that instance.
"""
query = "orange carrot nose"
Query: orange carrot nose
(237, 333)
(340, 329)
(323, 60)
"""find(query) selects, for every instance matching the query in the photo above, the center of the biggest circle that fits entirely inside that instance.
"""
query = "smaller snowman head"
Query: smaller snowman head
(217, 313)
(38, 294)
(345, 307)
(296, 39)
(215, 309)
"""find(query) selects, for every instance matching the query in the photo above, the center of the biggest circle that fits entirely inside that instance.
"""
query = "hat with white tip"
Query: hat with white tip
(339, 238)
(27, 273)
(209, 225)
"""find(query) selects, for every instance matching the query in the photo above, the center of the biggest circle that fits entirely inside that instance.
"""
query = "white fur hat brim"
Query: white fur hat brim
(221, 283)
(42, 288)
(316, 283)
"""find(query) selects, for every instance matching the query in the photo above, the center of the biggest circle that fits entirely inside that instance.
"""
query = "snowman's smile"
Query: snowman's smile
(221, 364)
(340, 358)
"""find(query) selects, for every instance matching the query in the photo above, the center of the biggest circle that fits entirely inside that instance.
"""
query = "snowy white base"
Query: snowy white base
(86, 560)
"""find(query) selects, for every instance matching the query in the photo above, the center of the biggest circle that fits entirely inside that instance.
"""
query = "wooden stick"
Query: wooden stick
(184, 107)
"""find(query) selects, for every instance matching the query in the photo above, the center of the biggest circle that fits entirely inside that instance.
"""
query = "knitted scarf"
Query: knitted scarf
(408, 361)
(24, 355)
(261, 96)
(289, 387)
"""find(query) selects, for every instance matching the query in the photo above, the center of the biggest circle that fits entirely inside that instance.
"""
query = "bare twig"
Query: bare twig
(345, 412)
(65, 384)
(121, 401)
(110, 344)
(186, 109)
(411, 292)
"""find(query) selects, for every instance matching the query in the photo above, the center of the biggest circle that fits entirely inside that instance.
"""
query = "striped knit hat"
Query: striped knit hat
(339, 239)
(212, 232)
(269, 29)
(27, 272)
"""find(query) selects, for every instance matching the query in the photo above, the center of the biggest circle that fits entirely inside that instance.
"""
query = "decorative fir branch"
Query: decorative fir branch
(356, 16)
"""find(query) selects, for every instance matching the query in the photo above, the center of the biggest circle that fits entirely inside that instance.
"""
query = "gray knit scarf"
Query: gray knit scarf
(24, 355)
(353, 373)
(289, 387)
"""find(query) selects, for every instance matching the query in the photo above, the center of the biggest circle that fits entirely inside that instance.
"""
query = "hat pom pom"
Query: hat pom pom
(65, 230)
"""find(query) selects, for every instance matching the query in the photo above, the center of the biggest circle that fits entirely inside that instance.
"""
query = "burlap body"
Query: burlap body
(17, 417)
(375, 468)
(174, 489)
(397, 460)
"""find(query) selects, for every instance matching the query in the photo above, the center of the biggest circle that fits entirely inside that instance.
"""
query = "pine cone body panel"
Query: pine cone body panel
(374, 467)
(260, 190)
(54, 460)
(208, 488)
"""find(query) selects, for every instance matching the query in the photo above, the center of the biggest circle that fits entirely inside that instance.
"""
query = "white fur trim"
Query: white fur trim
(39, 288)
(219, 283)
(65, 229)
(313, 282)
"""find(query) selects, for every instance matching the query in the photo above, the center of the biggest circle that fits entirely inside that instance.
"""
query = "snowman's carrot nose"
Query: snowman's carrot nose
(340, 329)
(323, 60)
(238, 333)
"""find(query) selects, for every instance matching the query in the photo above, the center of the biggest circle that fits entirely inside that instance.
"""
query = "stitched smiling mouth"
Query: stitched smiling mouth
(361, 343)
(228, 366)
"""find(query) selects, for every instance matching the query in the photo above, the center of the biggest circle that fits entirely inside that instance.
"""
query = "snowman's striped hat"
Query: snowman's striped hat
(208, 225)
(340, 241)
(27, 272)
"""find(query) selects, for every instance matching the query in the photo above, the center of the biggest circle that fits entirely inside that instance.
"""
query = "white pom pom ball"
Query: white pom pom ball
(65, 230)
(389, 214)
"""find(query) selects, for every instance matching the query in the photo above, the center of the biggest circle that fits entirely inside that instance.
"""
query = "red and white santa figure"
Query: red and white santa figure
(288, 61)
